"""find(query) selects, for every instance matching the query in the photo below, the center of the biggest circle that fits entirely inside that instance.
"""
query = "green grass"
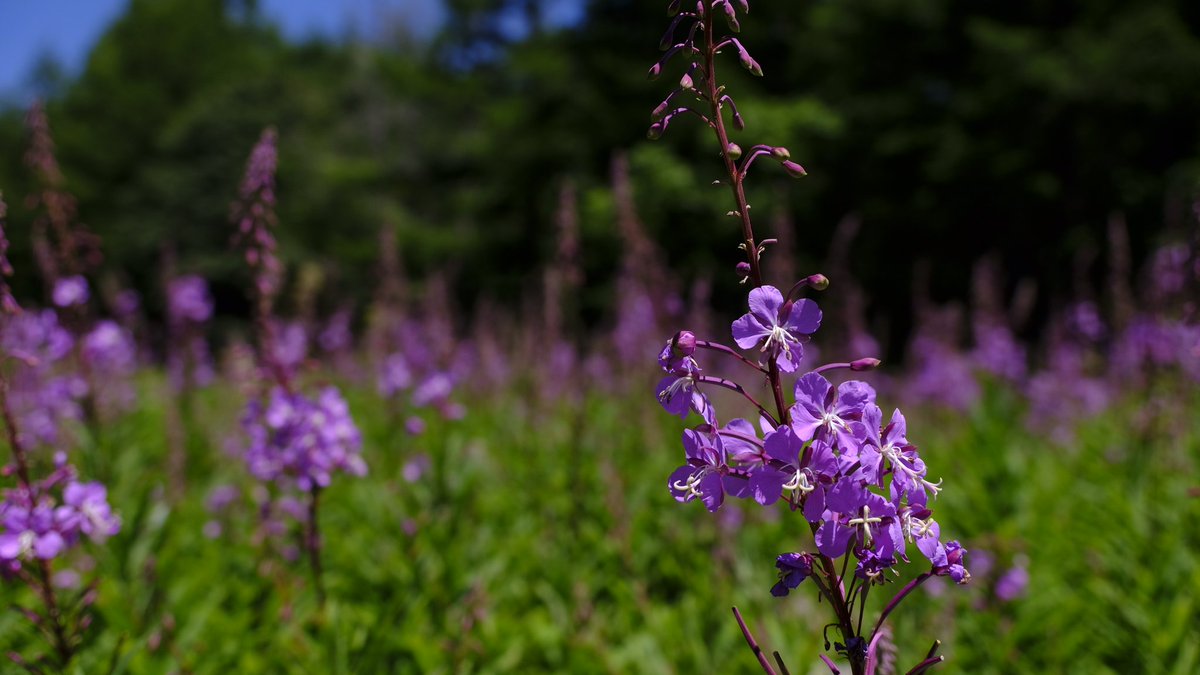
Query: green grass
(543, 539)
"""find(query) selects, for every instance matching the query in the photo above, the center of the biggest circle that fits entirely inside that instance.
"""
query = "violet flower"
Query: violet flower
(778, 328)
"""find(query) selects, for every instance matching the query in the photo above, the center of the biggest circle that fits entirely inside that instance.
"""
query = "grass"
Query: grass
(543, 539)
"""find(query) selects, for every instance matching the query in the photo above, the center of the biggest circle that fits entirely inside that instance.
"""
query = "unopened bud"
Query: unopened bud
(859, 365)
(731, 18)
(750, 64)
(655, 71)
(673, 7)
(683, 344)
(656, 130)
(686, 82)
(794, 170)
(733, 151)
(745, 6)
(781, 153)
(738, 122)
(817, 282)
(743, 269)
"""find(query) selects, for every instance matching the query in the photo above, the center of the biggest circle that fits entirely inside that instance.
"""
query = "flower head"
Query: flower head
(778, 328)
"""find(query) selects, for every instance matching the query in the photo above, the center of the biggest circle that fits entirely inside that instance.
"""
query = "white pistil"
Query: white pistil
(865, 522)
(25, 543)
(689, 486)
(895, 458)
(684, 382)
(782, 337)
(799, 482)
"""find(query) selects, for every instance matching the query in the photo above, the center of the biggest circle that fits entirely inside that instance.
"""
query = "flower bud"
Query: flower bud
(731, 18)
(683, 344)
(655, 71)
(781, 153)
(794, 170)
(750, 64)
(733, 151)
(738, 122)
(859, 365)
(656, 130)
(817, 282)
(743, 269)
(673, 7)
(686, 82)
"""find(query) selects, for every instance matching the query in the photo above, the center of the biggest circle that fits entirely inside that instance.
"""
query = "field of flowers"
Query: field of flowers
(420, 487)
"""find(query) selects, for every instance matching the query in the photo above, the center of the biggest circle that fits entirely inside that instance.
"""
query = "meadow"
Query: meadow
(398, 472)
(540, 537)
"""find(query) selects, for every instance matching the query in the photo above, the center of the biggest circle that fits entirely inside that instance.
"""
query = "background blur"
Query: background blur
(950, 130)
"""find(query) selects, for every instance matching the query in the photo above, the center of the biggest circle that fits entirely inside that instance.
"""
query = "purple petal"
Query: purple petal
(748, 331)
(833, 538)
(805, 317)
(765, 302)
(767, 485)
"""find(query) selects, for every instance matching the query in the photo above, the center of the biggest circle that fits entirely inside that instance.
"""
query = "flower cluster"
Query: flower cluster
(856, 478)
(38, 523)
(301, 442)
(828, 452)
(43, 396)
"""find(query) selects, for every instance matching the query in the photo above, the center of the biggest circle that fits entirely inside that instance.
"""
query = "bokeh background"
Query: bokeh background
(1004, 195)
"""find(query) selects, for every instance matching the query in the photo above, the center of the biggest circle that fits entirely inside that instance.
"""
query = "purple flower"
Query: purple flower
(781, 328)
(302, 441)
(109, 349)
(188, 299)
(1013, 583)
(87, 508)
(703, 476)
(395, 375)
(70, 291)
(30, 530)
(676, 357)
(793, 568)
(823, 412)
(948, 562)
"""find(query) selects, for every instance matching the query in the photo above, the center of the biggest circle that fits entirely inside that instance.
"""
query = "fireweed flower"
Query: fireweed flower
(188, 299)
(861, 486)
(823, 412)
(794, 568)
(703, 476)
(779, 329)
(70, 291)
(300, 442)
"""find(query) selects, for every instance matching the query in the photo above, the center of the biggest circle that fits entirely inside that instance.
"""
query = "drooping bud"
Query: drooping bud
(655, 71)
(731, 18)
(673, 7)
(749, 63)
(818, 282)
(743, 269)
(733, 151)
(656, 130)
(738, 122)
(794, 170)
(744, 5)
(781, 153)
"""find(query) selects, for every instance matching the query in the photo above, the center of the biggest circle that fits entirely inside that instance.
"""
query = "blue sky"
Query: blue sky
(68, 29)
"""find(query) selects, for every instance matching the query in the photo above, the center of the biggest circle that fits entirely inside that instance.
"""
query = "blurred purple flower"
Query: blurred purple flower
(188, 299)
(70, 291)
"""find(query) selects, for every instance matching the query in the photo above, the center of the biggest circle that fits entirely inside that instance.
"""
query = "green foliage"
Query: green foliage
(1023, 123)
(542, 539)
